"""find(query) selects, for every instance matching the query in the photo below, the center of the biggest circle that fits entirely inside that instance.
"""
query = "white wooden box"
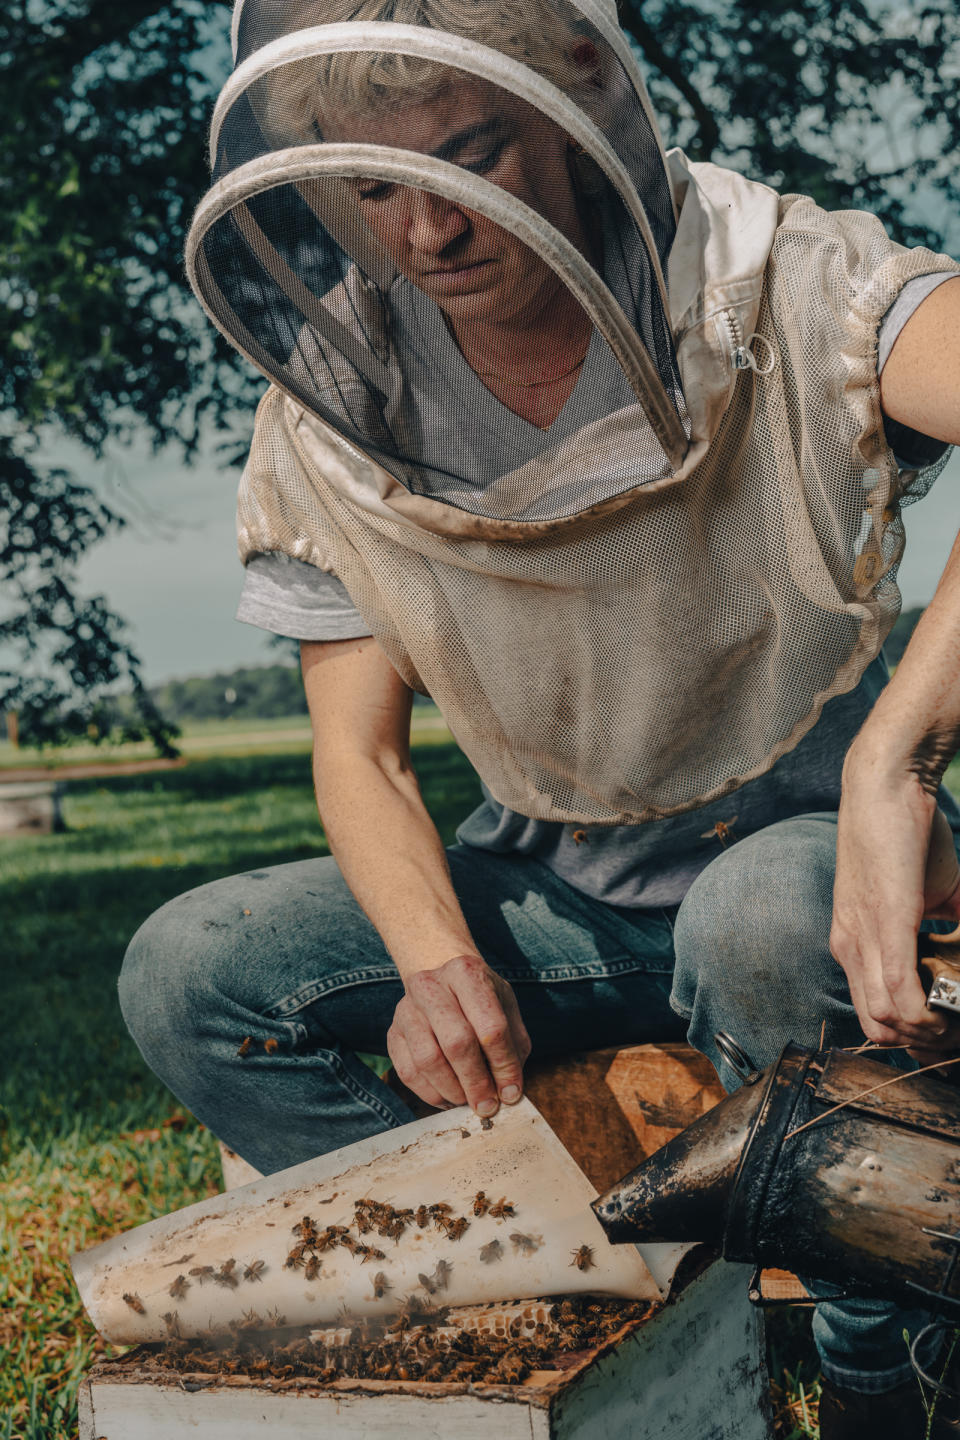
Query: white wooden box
(693, 1370)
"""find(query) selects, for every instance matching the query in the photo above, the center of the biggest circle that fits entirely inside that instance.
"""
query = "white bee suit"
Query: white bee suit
(639, 612)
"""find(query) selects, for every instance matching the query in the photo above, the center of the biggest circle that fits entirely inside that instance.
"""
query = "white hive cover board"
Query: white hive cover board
(138, 1286)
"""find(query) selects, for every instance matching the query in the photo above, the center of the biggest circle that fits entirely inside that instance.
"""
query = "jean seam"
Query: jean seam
(307, 994)
(361, 1093)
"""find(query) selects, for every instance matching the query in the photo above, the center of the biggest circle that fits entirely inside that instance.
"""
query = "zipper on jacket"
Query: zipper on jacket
(741, 353)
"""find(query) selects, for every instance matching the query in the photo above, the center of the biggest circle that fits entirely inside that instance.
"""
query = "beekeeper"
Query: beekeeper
(605, 451)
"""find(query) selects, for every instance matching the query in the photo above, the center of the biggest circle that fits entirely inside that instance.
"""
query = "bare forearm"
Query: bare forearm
(915, 725)
(393, 859)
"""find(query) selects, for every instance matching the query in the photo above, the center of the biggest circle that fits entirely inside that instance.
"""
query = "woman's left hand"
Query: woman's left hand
(896, 865)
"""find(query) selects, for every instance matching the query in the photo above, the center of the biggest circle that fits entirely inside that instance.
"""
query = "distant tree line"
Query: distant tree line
(263, 692)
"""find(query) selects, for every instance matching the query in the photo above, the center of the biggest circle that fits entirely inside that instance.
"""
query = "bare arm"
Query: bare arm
(457, 1035)
(895, 857)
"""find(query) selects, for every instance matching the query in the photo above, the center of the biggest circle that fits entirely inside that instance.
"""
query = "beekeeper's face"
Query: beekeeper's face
(472, 268)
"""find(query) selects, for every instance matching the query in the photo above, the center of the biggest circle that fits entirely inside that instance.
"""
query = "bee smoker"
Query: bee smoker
(827, 1163)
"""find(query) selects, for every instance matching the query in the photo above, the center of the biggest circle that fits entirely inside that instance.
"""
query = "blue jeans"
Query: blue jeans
(287, 953)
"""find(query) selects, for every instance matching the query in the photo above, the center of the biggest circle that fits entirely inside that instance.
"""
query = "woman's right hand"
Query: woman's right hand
(457, 1037)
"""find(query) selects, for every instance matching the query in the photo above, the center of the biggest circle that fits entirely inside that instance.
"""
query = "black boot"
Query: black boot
(895, 1415)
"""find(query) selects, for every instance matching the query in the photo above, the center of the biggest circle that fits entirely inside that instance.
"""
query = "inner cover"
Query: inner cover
(429, 216)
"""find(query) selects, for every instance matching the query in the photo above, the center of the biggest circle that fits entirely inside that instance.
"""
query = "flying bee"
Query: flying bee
(442, 1274)
(202, 1272)
(525, 1244)
(582, 1258)
(491, 1252)
(272, 1045)
(276, 1319)
(246, 1044)
(227, 1266)
(721, 831)
(503, 1209)
(380, 1285)
(135, 1304)
(422, 1217)
(254, 1271)
(172, 1322)
(427, 1281)
(251, 1320)
(225, 1275)
(480, 1203)
(179, 1288)
(455, 1228)
(313, 1268)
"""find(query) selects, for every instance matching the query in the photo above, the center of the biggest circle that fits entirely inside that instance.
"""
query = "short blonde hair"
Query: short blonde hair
(533, 32)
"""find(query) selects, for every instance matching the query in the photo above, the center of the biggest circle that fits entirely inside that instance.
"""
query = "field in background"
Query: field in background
(90, 1142)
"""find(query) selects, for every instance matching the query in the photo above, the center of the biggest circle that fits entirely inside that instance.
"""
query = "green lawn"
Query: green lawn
(90, 1141)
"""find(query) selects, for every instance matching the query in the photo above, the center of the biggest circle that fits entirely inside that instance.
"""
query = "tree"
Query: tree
(104, 113)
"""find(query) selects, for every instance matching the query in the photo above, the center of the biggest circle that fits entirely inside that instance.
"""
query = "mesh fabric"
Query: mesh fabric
(638, 661)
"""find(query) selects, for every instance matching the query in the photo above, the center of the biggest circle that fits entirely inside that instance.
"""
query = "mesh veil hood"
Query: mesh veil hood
(524, 127)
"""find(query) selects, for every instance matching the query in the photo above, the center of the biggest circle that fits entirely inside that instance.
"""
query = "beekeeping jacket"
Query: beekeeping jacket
(630, 616)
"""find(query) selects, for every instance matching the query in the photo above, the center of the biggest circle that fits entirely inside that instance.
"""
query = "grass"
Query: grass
(90, 1142)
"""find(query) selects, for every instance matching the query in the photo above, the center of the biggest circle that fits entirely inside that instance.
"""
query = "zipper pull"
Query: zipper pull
(744, 358)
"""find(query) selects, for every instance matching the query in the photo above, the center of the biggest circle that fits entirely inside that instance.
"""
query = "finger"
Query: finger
(399, 1053)
(485, 1001)
(872, 1028)
(521, 1041)
(441, 994)
(427, 1054)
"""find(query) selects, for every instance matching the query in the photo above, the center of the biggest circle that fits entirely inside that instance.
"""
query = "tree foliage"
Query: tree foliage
(104, 112)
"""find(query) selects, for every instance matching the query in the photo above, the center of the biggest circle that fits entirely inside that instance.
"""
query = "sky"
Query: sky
(174, 573)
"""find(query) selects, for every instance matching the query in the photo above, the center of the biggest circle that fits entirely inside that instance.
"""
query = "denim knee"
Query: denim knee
(752, 945)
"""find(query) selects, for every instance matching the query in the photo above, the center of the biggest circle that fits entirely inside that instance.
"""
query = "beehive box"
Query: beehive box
(691, 1369)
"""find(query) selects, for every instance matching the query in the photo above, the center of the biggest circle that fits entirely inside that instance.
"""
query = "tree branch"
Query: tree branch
(668, 66)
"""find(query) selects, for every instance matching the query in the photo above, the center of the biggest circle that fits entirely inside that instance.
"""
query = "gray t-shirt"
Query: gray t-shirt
(633, 866)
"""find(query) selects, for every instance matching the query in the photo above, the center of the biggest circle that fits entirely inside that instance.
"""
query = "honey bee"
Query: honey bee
(480, 1203)
(271, 1046)
(276, 1319)
(254, 1271)
(225, 1275)
(440, 1208)
(202, 1272)
(442, 1274)
(370, 1253)
(503, 1209)
(721, 831)
(172, 1322)
(179, 1288)
(250, 1319)
(326, 1239)
(363, 1222)
(135, 1303)
(246, 1044)
(313, 1268)
(404, 1215)
(295, 1260)
(348, 1243)
(525, 1244)
(491, 1252)
(380, 1285)
(422, 1217)
(455, 1228)
(394, 1229)
(305, 1228)
(427, 1281)
(582, 1258)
